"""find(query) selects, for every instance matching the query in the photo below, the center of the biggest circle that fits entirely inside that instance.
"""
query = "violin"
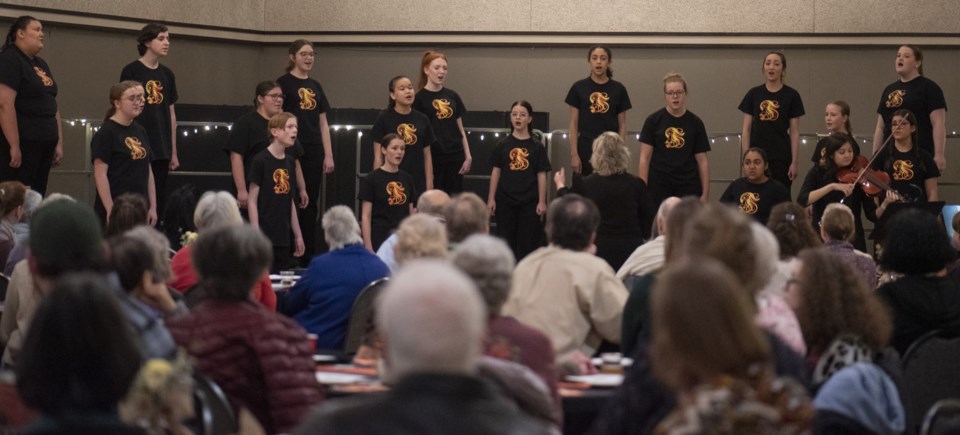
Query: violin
(872, 181)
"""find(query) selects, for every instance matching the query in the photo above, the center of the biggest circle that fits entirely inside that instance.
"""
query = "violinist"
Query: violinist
(822, 187)
(912, 170)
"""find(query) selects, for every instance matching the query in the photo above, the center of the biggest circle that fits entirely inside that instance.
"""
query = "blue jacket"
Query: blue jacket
(322, 299)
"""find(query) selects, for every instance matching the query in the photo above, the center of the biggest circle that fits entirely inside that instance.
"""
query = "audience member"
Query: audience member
(11, 210)
(773, 312)
(924, 299)
(791, 225)
(65, 238)
(420, 236)
(21, 231)
(177, 219)
(261, 360)
(78, 360)
(323, 297)
(837, 229)
(564, 290)
(129, 210)
(465, 214)
(435, 388)
(648, 257)
(430, 203)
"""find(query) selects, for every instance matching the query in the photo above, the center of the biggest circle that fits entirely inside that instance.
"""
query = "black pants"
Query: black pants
(446, 172)
(312, 165)
(585, 152)
(282, 256)
(520, 226)
(779, 170)
(660, 191)
(161, 168)
(36, 158)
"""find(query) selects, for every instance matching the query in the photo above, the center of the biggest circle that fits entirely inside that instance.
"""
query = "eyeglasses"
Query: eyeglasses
(136, 98)
(675, 93)
(307, 54)
(275, 96)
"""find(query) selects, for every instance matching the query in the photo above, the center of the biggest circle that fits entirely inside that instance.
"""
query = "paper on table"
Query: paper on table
(599, 380)
(340, 378)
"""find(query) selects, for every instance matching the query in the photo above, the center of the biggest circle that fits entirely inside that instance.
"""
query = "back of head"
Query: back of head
(129, 210)
(432, 202)
(433, 321)
(65, 237)
(680, 213)
(215, 209)
(489, 262)
(768, 253)
(790, 224)
(916, 244)
(420, 236)
(31, 202)
(130, 259)
(660, 223)
(837, 222)
(720, 232)
(572, 222)
(702, 325)
(610, 154)
(11, 196)
(466, 214)
(340, 227)
(159, 250)
(79, 356)
(180, 207)
(833, 299)
(230, 259)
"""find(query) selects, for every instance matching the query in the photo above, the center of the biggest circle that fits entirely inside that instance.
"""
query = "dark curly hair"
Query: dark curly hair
(793, 229)
(916, 244)
(835, 300)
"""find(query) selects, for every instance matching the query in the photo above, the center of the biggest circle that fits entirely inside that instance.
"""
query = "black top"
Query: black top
(919, 305)
(250, 135)
(390, 194)
(908, 171)
(921, 96)
(160, 88)
(818, 177)
(820, 151)
(276, 180)
(305, 99)
(599, 106)
(755, 200)
(415, 130)
(772, 112)
(519, 161)
(626, 207)
(126, 151)
(36, 101)
(675, 141)
(443, 108)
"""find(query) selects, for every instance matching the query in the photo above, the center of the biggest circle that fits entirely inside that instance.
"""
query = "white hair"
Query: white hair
(31, 201)
(489, 262)
(433, 320)
(340, 227)
(159, 249)
(768, 253)
(215, 209)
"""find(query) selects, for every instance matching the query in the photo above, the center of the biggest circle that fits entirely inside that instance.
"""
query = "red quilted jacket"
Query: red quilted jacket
(261, 360)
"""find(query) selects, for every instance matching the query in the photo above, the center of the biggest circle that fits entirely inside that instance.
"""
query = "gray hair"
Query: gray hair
(662, 213)
(340, 227)
(214, 209)
(31, 201)
(159, 248)
(230, 259)
(433, 321)
(420, 236)
(432, 201)
(489, 262)
(466, 214)
(53, 197)
(768, 252)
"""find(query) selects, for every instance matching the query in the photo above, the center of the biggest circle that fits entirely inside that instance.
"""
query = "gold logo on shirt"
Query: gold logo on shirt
(154, 91)
(518, 159)
(895, 98)
(137, 151)
(308, 99)
(443, 108)
(903, 170)
(823, 156)
(599, 102)
(281, 181)
(407, 132)
(768, 110)
(674, 137)
(748, 202)
(396, 193)
(47, 81)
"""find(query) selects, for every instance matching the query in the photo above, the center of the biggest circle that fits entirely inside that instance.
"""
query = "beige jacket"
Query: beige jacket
(23, 299)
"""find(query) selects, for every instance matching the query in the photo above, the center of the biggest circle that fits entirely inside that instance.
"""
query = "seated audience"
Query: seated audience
(177, 216)
(11, 210)
(214, 209)
(837, 229)
(924, 299)
(648, 257)
(564, 290)
(715, 359)
(465, 214)
(420, 236)
(845, 326)
(434, 376)
(139, 258)
(323, 297)
(129, 210)
(21, 231)
(489, 262)
(261, 360)
(430, 203)
(773, 312)
(78, 360)
(65, 238)
(791, 225)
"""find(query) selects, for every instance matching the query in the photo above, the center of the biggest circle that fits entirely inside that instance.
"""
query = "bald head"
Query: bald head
(432, 201)
(425, 297)
(660, 225)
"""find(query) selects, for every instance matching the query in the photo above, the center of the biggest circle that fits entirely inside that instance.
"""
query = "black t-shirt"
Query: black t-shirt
(599, 106)
(755, 200)
(305, 99)
(417, 134)
(126, 151)
(675, 141)
(250, 135)
(36, 101)
(390, 194)
(921, 96)
(772, 112)
(277, 184)
(908, 171)
(519, 161)
(443, 108)
(160, 89)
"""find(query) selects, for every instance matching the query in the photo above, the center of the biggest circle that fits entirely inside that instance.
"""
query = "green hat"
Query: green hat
(65, 231)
